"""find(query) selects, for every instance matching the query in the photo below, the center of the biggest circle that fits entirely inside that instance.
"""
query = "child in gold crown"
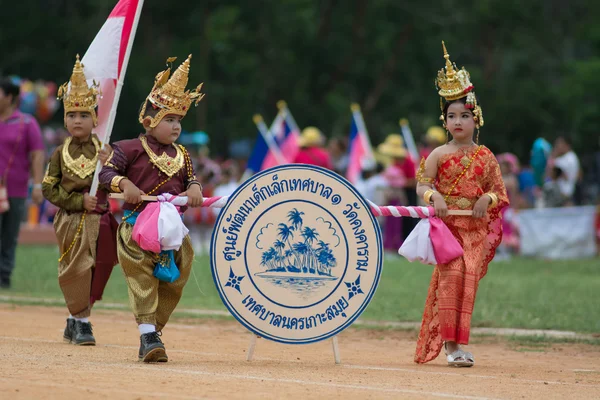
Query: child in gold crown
(153, 164)
(460, 174)
(83, 223)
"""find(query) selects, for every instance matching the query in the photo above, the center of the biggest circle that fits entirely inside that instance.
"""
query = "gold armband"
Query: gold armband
(109, 159)
(427, 196)
(421, 171)
(115, 182)
(494, 199)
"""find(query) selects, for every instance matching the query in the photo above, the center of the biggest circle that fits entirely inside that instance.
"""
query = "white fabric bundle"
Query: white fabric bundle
(171, 229)
(418, 246)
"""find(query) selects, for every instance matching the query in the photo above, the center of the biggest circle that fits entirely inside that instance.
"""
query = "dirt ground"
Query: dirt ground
(207, 359)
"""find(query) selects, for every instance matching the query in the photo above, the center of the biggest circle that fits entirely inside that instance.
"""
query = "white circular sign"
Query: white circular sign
(296, 254)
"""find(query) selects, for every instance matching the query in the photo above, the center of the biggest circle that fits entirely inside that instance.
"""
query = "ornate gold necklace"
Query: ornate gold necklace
(168, 165)
(81, 166)
(465, 160)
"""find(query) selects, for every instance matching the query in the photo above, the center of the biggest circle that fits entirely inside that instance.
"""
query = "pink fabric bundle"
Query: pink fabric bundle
(431, 242)
(159, 226)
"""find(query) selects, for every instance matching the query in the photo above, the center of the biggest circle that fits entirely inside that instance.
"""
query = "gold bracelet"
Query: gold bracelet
(494, 199)
(427, 195)
(115, 182)
(194, 182)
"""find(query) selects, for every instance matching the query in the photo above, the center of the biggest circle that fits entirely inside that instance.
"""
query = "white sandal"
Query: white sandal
(469, 358)
(459, 358)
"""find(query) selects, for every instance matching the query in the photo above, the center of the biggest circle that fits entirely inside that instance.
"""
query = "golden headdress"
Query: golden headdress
(454, 84)
(169, 95)
(78, 96)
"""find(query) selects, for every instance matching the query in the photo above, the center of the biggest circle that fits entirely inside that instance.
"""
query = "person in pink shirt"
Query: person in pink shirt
(311, 149)
(21, 151)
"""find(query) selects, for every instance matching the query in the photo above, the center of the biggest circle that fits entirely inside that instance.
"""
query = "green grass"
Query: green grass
(546, 341)
(521, 293)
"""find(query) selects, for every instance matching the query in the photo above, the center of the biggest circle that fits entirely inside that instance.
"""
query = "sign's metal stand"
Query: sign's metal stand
(334, 345)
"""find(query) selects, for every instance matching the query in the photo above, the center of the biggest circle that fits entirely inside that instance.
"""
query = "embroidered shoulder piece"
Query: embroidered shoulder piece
(165, 163)
(108, 162)
(48, 179)
(421, 171)
(81, 166)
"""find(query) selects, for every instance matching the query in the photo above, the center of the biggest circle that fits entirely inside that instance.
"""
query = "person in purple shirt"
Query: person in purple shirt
(21, 151)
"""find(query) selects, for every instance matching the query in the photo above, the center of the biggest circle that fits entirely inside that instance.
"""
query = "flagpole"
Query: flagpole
(408, 138)
(262, 128)
(362, 129)
(282, 105)
(113, 111)
(279, 118)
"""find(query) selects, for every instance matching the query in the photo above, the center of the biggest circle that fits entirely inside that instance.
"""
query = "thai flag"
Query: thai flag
(106, 59)
(277, 145)
(360, 153)
(285, 133)
(266, 152)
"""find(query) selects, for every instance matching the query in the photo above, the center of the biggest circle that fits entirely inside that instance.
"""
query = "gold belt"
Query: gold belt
(461, 202)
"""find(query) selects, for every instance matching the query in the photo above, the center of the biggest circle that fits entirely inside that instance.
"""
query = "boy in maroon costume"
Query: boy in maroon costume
(153, 164)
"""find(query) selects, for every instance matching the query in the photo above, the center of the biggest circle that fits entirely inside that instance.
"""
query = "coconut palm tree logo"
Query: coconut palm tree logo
(298, 252)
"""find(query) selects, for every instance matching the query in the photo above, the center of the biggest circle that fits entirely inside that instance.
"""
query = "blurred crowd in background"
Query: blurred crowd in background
(553, 176)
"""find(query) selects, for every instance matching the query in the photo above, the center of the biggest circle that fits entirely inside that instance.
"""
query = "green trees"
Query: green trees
(535, 64)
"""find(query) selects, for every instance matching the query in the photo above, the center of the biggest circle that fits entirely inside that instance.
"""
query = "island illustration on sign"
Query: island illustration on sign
(298, 256)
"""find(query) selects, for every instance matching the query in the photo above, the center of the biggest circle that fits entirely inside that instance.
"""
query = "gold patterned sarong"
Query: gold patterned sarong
(76, 268)
(152, 301)
(453, 286)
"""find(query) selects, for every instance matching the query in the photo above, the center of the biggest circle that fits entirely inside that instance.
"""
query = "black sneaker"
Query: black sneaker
(5, 283)
(82, 335)
(152, 348)
(69, 330)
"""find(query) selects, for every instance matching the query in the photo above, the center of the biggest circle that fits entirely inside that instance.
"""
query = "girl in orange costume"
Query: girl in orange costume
(459, 175)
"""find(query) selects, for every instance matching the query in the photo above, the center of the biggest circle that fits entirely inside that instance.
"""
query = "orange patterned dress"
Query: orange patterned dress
(451, 294)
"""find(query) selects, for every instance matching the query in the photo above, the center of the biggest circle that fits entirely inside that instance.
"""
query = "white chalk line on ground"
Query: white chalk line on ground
(358, 322)
(346, 366)
(361, 367)
(105, 389)
(162, 369)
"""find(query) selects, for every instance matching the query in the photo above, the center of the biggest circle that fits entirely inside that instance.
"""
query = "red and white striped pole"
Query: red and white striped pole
(385, 211)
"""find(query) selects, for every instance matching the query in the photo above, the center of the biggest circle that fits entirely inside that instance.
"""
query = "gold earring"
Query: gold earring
(477, 138)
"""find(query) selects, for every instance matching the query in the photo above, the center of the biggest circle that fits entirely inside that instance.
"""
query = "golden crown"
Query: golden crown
(454, 84)
(169, 94)
(77, 95)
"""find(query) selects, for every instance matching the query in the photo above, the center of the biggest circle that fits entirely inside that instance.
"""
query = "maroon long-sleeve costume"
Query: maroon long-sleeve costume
(130, 159)
(154, 168)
